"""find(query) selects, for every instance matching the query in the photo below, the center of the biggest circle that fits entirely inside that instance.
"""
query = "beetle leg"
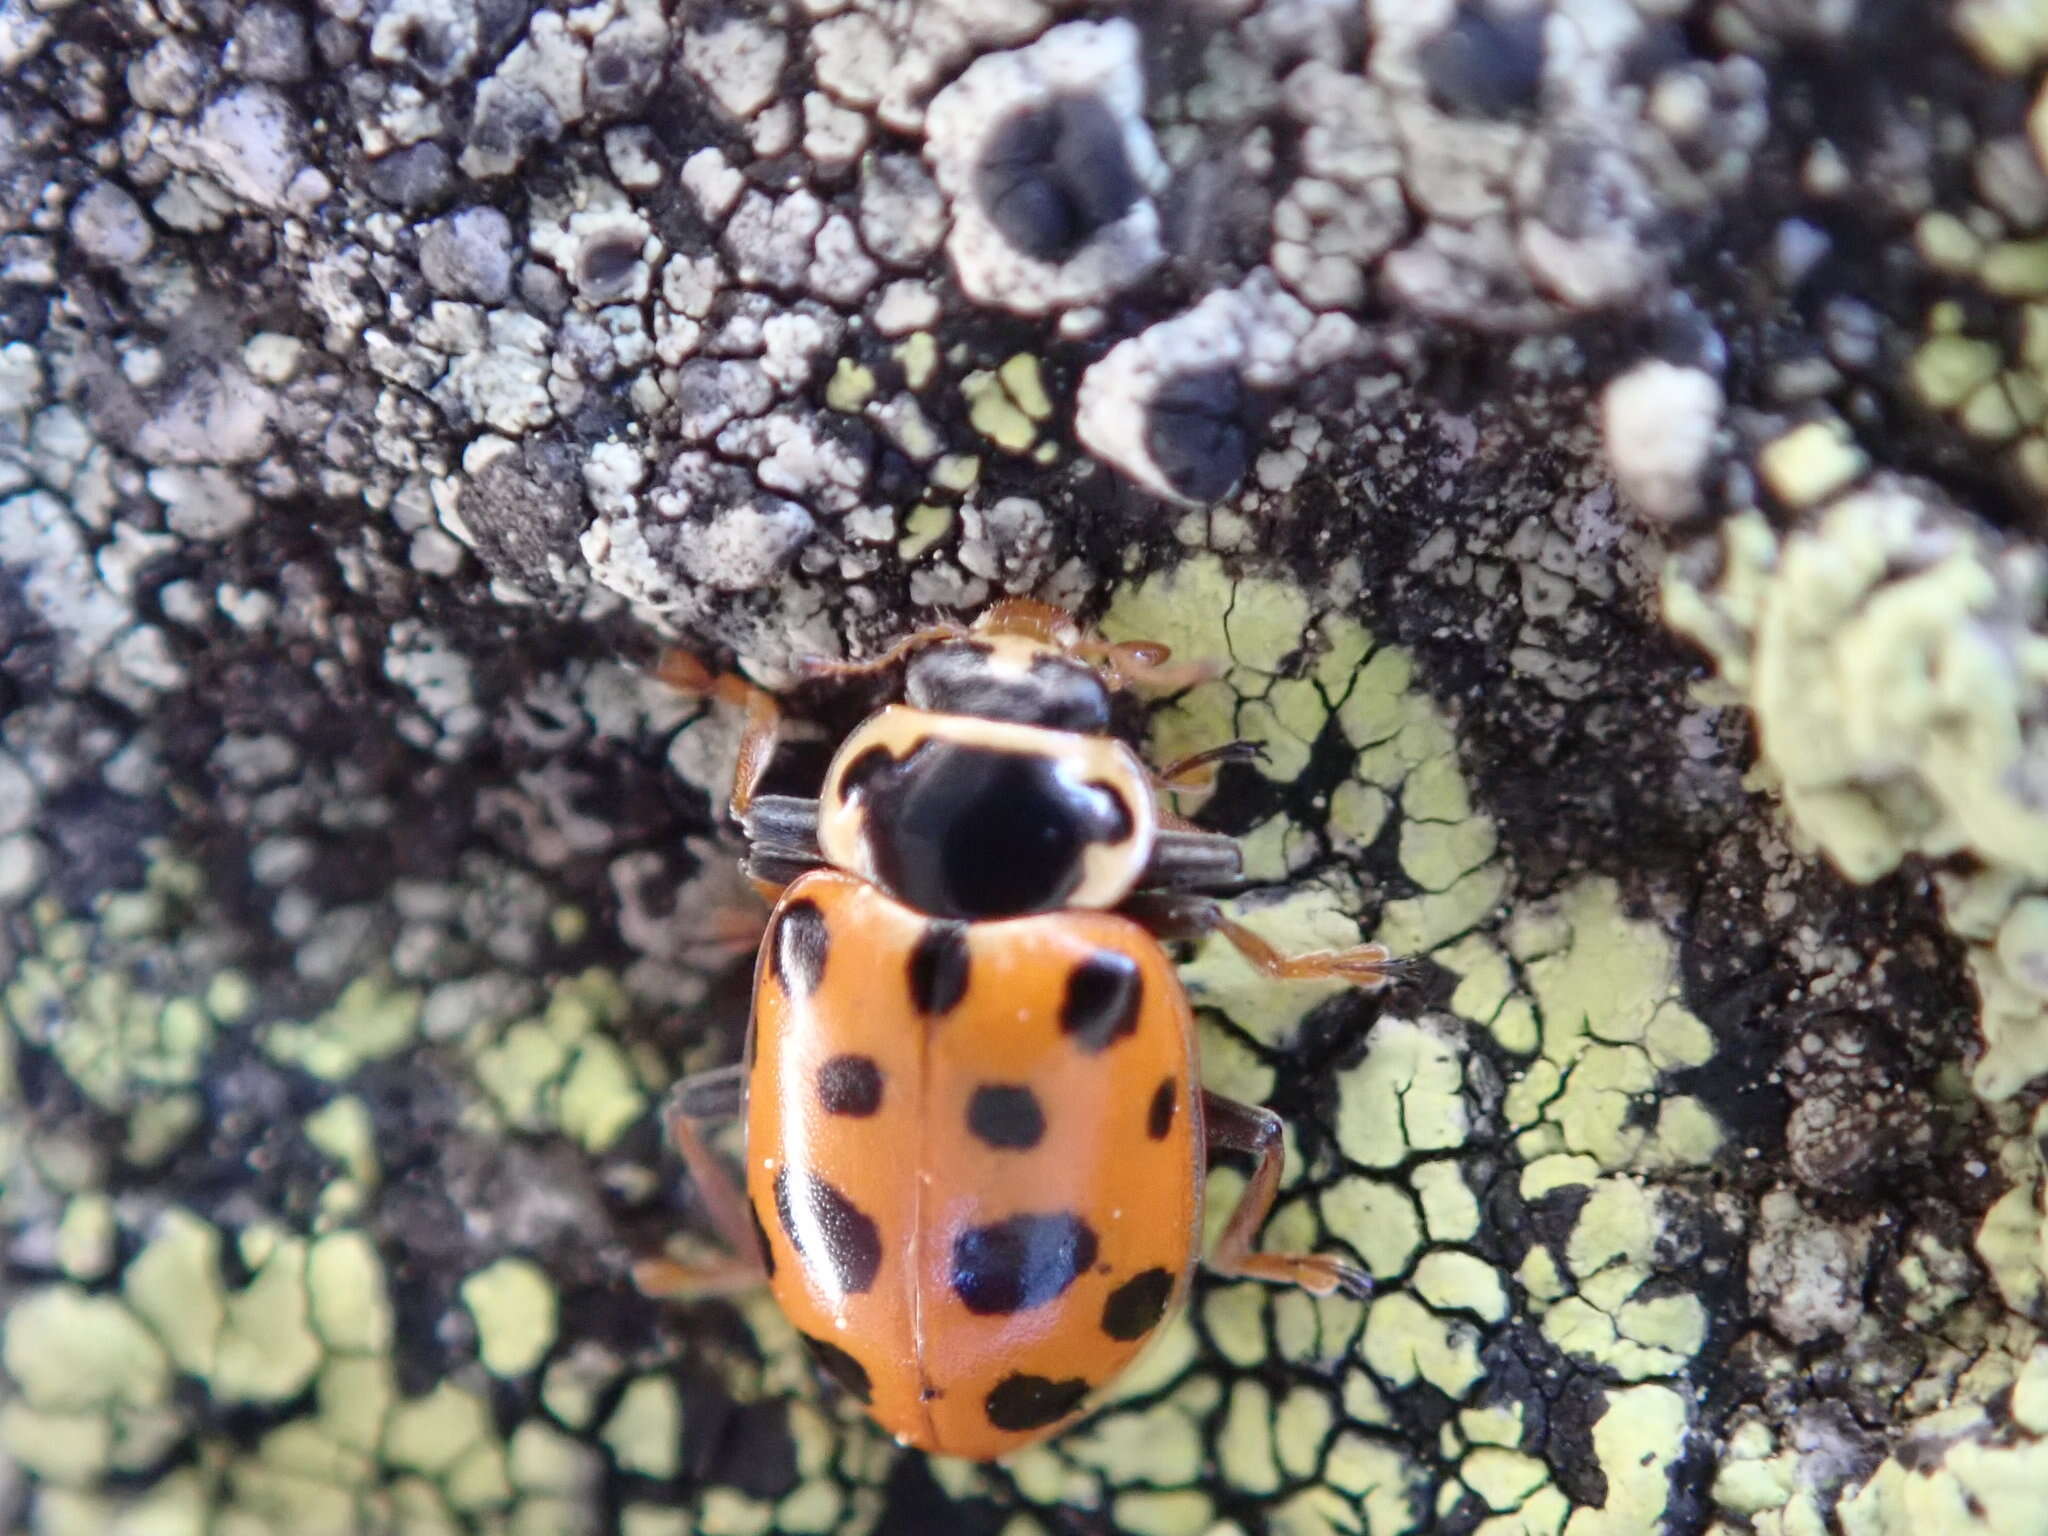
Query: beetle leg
(717, 1094)
(720, 1094)
(662, 1278)
(1145, 664)
(1198, 769)
(1371, 966)
(686, 674)
(1233, 1127)
(917, 640)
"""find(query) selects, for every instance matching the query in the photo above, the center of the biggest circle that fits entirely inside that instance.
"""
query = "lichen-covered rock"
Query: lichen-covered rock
(382, 384)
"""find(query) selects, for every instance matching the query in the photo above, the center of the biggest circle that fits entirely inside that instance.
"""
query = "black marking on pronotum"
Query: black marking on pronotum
(824, 1226)
(761, 1237)
(1023, 1262)
(1118, 824)
(840, 1366)
(1135, 1307)
(1006, 1116)
(1159, 1117)
(863, 771)
(1054, 174)
(961, 830)
(1019, 1402)
(1104, 994)
(850, 1085)
(799, 948)
(938, 968)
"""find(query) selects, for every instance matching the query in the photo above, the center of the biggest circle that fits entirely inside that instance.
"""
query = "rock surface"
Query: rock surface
(1603, 444)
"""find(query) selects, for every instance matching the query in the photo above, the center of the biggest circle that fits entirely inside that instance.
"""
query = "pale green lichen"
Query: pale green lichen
(645, 1430)
(514, 1306)
(1007, 405)
(1890, 649)
(120, 1000)
(374, 1018)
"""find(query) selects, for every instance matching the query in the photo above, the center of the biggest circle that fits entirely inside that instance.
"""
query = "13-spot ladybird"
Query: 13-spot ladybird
(976, 1133)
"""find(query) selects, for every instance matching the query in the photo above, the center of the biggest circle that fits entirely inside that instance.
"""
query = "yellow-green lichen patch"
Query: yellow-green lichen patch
(513, 1303)
(850, 387)
(1975, 1465)
(1885, 649)
(1406, 1342)
(1602, 1299)
(1309, 918)
(267, 1351)
(85, 1236)
(1605, 987)
(174, 1284)
(1378, 1219)
(923, 526)
(101, 997)
(432, 1434)
(645, 1430)
(1006, 406)
(73, 1352)
(2012, 1239)
(1405, 1096)
(1636, 1441)
(563, 1068)
(371, 1020)
(1161, 1445)
(347, 1304)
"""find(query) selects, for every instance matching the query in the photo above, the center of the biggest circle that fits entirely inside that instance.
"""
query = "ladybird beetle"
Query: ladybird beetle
(976, 1132)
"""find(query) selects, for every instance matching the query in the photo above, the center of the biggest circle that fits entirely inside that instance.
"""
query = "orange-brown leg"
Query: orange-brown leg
(1233, 1127)
(1172, 916)
(1198, 769)
(1145, 664)
(719, 1094)
(686, 674)
(917, 640)
(1363, 965)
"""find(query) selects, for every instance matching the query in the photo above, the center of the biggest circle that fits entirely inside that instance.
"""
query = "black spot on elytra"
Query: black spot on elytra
(823, 1225)
(938, 968)
(1103, 996)
(1135, 1307)
(1054, 174)
(1006, 1115)
(799, 947)
(1019, 1403)
(850, 1085)
(761, 1238)
(1023, 1262)
(841, 1367)
(1165, 1101)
